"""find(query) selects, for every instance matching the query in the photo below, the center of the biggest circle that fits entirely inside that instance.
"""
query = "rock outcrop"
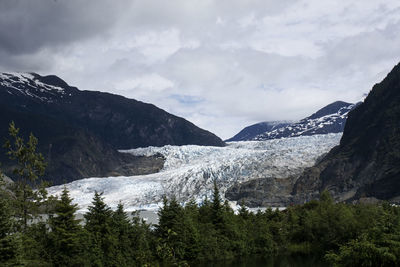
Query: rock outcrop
(366, 164)
(262, 192)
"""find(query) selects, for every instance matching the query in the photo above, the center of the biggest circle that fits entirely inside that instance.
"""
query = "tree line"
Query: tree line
(340, 234)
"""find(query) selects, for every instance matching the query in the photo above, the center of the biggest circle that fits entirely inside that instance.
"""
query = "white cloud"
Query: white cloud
(143, 86)
(154, 45)
(225, 64)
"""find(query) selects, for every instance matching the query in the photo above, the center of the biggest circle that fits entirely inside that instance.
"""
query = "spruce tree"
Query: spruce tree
(29, 166)
(143, 241)
(170, 216)
(66, 233)
(122, 229)
(9, 246)
(217, 209)
(191, 235)
(205, 211)
(102, 241)
(243, 211)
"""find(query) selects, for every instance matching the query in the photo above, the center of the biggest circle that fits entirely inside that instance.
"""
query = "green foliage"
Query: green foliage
(103, 243)
(9, 240)
(377, 244)
(66, 233)
(347, 235)
(362, 252)
(143, 242)
(178, 237)
(35, 245)
(217, 212)
(243, 211)
(29, 166)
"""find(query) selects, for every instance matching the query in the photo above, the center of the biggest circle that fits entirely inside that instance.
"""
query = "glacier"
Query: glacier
(189, 171)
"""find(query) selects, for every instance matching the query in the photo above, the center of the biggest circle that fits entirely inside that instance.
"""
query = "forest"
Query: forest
(40, 230)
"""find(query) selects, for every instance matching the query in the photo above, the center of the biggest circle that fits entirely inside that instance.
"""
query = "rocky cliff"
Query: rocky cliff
(367, 161)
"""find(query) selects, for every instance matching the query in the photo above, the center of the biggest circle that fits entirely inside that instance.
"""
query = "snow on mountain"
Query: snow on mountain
(250, 132)
(30, 84)
(330, 119)
(190, 170)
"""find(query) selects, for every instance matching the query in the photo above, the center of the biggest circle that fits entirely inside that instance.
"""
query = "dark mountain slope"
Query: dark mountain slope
(71, 152)
(127, 123)
(367, 161)
(122, 122)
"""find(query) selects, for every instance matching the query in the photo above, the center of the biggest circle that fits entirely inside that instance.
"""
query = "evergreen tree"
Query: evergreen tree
(102, 241)
(205, 211)
(122, 228)
(190, 232)
(29, 166)
(66, 233)
(9, 246)
(143, 240)
(217, 211)
(169, 228)
(36, 245)
(209, 245)
(192, 210)
(244, 211)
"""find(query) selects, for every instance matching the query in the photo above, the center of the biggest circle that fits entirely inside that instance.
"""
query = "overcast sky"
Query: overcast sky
(222, 64)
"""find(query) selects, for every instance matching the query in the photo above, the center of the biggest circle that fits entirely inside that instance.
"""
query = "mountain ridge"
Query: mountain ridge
(250, 132)
(77, 129)
(329, 119)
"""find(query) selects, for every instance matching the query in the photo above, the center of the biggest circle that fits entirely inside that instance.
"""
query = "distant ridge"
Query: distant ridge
(329, 119)
(250, 132)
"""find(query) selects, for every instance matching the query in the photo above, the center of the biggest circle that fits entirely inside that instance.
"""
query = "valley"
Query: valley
(189, 171)
(199, 133)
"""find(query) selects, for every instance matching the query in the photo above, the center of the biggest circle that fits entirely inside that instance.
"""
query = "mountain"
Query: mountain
(250, 132)
(329, 119)
(366, 164)
(80, 131)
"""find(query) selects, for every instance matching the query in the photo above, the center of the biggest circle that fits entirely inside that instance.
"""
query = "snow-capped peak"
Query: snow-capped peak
(30, 84)
(330, 119)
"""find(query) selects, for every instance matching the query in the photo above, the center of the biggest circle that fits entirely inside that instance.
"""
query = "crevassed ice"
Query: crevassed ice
(190, 170)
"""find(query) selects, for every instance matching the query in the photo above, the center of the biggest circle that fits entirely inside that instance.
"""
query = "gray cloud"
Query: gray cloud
(28, 26)
(221, 64)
